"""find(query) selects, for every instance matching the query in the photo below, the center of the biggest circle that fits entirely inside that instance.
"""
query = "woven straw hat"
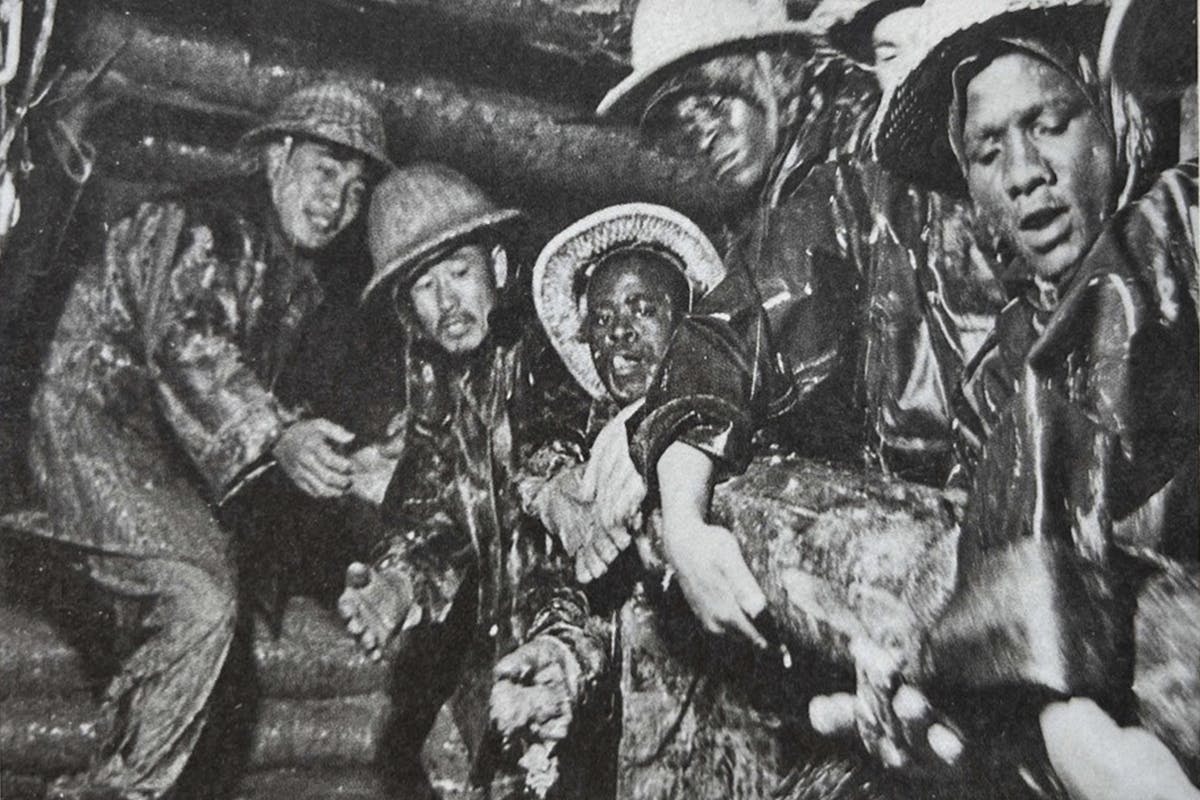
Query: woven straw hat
(911, 137)
(569, 257)
(1149, 47)
(420, 210)
(848, 24)
(666, 31)
(331, 112)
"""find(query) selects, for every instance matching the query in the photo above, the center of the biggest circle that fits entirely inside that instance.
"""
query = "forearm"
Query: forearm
(685, 477)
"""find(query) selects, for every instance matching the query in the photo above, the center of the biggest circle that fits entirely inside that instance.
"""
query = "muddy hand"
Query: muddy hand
(894, 720)
(535, 691)
(373, 605)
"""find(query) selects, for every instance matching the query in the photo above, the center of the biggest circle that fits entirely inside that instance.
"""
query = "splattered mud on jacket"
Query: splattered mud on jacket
(479, 570)
(157, 386)
(852, 307)
(1080, 428)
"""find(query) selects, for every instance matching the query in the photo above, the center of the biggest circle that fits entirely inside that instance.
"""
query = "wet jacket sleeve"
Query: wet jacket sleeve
(197, 291)
(778, 328)
(1095, 452)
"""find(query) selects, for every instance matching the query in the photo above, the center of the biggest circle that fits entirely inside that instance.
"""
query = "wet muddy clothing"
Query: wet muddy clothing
(1081, 431)
(156, 404)
(847, 315)
(479, 571)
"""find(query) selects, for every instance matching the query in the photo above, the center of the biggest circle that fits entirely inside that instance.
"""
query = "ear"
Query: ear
(500, 265)
(275, 156)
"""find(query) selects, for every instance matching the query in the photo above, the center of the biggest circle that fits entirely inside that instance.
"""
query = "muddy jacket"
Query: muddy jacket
(850, 306)
(1080, 428)
(158, 383)
(475, 564)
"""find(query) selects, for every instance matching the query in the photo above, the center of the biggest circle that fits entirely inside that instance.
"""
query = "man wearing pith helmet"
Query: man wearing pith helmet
(156, 406)
(1079, 417)
(455, 584)
(842, 308)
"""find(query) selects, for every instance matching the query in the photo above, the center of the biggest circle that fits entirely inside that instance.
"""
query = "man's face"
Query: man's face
(630, 317)
(317, 190)
(894, 37)
(732, 132)
(453, 299)
(1040, 164)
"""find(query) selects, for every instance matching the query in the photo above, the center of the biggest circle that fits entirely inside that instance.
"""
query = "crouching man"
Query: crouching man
(451, 587)
(700, 716)
(156, 405)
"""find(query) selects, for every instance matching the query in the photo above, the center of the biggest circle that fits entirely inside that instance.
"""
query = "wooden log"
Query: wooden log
(314, 657)
(51, 736)
(291, 783)
(336, 732)
(48, 736)
(35, 658)
(844, 555)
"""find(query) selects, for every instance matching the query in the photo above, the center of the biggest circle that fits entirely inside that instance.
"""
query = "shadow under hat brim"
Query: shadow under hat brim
(407, 265)
(911, 136)
(269, 131)
(852, 36)
(639, 83)
(579, 247)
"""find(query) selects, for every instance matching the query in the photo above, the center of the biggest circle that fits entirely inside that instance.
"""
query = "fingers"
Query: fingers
(832, 715)
(742, 624)
(331, 430)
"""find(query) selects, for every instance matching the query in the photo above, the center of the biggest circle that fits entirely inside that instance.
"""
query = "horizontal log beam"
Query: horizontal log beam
(517, 146)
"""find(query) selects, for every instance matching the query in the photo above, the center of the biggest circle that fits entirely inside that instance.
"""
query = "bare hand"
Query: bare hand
(611, 477)
(373, 604)
(306, 454)
(894, 720)
(536, 690)
(1098, 760)
(371, 472)
(714, 577)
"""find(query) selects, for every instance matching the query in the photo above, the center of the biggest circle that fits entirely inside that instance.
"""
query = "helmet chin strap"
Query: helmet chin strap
(500, 266)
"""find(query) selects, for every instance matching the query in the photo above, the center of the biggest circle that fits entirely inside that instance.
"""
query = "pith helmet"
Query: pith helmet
(667, 31)
(566, 263)
(419, 211)
(331, 112)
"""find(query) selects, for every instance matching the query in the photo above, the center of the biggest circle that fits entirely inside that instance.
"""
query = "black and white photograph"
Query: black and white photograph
(599, 400)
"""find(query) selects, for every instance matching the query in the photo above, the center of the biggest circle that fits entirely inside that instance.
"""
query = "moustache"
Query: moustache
(455, 318)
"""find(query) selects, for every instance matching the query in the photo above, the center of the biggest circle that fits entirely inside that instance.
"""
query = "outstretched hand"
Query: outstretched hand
(536, 691)
(894, 720)
(373, 605)
(717, 583)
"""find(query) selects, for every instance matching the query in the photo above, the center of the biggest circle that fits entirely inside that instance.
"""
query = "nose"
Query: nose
(1025, 169)
(446, 297)
(622, 331)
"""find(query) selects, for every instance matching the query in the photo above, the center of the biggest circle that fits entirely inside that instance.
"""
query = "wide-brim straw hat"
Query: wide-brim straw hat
(911, 135)
(666, 32)
(1149, 47)
(847, 25)
(331, 112)
(423, 209)
(561, 270)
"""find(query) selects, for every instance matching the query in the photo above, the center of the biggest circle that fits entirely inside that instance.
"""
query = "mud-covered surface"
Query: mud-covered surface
(844, 555)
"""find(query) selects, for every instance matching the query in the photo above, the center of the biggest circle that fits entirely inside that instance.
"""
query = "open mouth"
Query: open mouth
(625, 364)
(321, 223)
(1046, 227)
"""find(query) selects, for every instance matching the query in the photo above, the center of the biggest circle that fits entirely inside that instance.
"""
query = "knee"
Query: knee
(201, 600)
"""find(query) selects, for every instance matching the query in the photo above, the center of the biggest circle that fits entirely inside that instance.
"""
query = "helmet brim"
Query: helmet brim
(406, 266)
